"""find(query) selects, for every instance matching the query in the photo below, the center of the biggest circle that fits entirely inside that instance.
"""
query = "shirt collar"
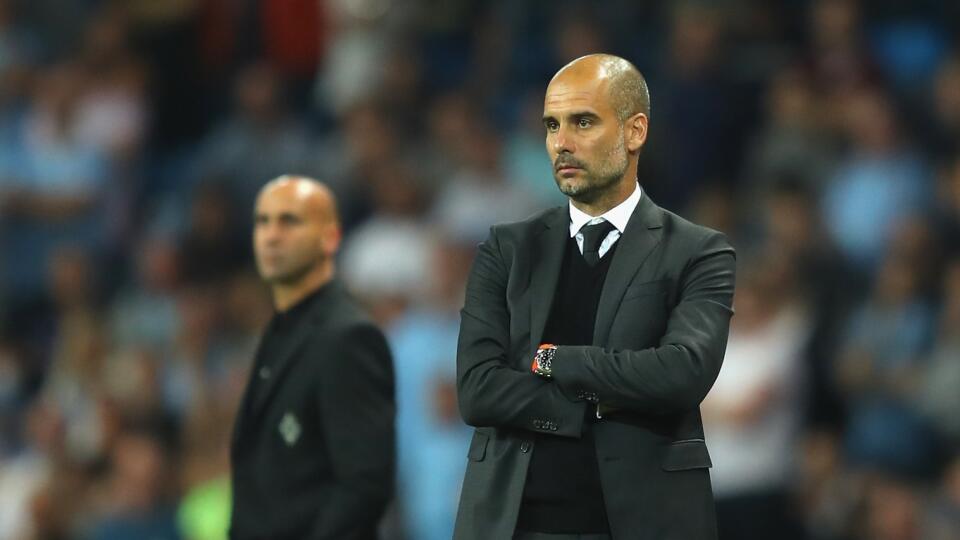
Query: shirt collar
(619, 215)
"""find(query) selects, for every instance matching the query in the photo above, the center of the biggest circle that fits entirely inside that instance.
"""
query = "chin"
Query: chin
(578, 191)
(571, 187)
(271, 275)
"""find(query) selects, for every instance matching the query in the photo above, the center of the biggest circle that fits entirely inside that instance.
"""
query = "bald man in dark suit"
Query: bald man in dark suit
(313, 449)
(589, 336)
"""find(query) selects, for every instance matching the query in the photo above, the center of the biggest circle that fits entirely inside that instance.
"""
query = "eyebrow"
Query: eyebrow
(259, 216)
(574, 115)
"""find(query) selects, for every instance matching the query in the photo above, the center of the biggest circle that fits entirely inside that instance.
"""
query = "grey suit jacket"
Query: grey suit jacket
(659, 339)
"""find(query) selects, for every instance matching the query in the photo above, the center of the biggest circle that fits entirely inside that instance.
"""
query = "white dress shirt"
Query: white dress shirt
(619, 215)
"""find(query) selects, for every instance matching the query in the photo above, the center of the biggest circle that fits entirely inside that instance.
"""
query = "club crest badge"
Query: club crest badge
(290, 428)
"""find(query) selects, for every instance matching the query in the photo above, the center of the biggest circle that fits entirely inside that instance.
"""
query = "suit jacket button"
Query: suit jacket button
(525, 446)
(264, 372)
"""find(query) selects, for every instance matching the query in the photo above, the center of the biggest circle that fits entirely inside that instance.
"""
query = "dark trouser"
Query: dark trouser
(523, 535)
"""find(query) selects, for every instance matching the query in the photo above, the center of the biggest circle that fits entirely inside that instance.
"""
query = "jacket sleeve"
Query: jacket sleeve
(491, 393)
(676, 375)
(356, 401)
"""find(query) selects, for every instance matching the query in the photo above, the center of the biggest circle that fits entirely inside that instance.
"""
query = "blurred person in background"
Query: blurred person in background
(942, 133)
(212, 246)
(206, 380)
(753, 414)
(793, 140)
(478, 191)
(947, 216)
(432, 439)
(791, 228)
(54, 191)
(204, 473)
(944, 521)
(893, 510)
(367, 143)
(137, 501)
(144, 310)
(75, 378)
(879, 182)
(312, 455)
(112, 110)
(259, 139)
(838, 60)
(697, 104)
(938, 396)
(26, 473)
(590, 334)
(879, 368)
(397, 232)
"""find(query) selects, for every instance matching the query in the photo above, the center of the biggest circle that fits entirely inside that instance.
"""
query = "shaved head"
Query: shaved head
(314, 194)
(626, 88)
(296, 233)
(596, 112)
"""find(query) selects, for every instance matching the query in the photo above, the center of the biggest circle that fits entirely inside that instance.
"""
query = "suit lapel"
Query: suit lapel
(254, 405)
(279, 369)
(637, 242)
(548, 247)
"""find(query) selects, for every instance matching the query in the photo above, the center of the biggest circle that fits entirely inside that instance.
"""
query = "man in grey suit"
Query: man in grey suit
(589, 336)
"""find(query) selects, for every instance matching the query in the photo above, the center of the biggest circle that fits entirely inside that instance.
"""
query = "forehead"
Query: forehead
(567, 92)
(287, 198)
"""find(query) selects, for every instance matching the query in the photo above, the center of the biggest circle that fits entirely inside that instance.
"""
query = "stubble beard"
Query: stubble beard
(595, 184)
(290, 276)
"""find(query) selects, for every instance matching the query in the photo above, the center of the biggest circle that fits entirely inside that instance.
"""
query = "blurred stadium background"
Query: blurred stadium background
(821, 135)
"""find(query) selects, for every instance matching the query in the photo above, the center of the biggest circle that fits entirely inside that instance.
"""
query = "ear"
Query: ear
(636, 131)
(330, 239)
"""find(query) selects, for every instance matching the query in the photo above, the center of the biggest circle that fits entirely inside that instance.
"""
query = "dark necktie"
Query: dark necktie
(593, 236)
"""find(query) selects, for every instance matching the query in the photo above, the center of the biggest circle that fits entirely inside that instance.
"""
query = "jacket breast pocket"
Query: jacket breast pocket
(684, 455)
(478, 446)
(648, 288)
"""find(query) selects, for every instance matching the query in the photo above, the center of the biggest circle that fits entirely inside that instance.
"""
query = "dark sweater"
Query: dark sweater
(563, 493)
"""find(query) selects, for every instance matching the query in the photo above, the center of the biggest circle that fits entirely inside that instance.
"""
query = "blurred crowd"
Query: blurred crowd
(823, 136)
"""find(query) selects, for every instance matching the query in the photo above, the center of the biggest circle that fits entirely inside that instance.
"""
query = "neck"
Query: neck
(287, 295)
(607, 200)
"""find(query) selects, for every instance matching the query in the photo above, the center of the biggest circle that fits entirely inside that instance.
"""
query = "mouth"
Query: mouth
(567, 170)
(271, 258)
(567, 166)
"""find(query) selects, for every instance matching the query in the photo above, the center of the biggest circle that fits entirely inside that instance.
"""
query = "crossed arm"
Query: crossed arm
(672, 377)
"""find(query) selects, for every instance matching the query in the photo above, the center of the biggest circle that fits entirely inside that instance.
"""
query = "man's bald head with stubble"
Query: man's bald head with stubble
(296, 233)
(596, 111)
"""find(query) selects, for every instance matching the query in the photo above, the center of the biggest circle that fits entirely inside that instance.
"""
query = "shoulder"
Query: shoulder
(340, 317)
(691, 237)
(519, 231)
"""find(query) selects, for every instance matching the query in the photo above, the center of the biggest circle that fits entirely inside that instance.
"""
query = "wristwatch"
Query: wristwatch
(543, 360)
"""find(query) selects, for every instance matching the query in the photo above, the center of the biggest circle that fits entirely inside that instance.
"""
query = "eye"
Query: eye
(551, 125)
(584, 123)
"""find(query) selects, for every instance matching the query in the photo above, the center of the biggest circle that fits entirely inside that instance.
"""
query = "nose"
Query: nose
(562, 142)
(269, 233)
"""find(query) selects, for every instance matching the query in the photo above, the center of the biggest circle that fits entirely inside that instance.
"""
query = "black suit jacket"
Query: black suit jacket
(315, 457)
(659, 339)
